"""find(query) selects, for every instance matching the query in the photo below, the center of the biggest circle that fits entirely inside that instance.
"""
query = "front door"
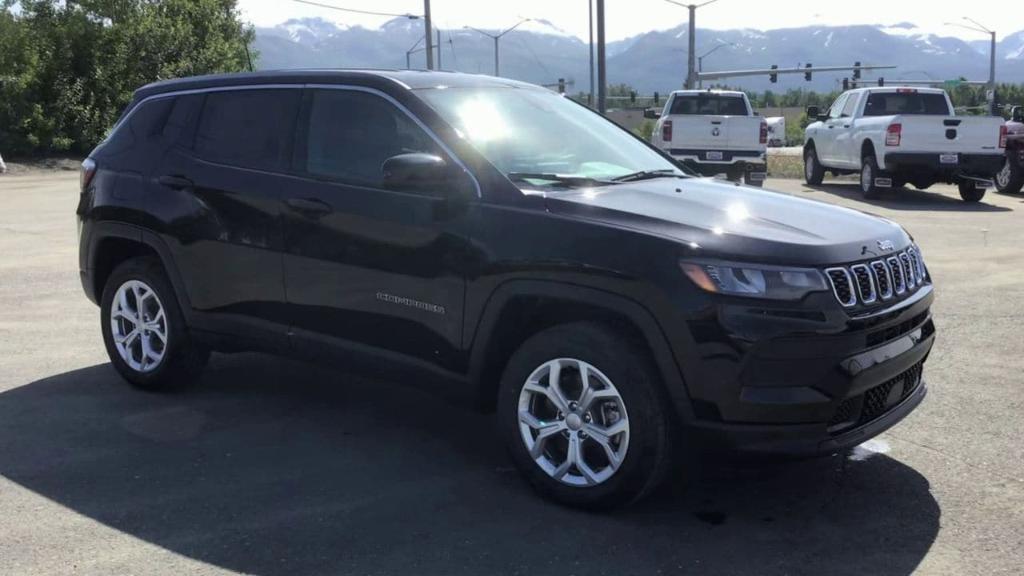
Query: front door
(366, 266)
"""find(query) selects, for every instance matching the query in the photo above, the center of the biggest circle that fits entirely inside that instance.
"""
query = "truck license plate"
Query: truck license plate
(949, 158)
(714, 155)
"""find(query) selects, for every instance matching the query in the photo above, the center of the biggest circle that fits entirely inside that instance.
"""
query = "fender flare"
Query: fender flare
(103, 230)
(644, 321)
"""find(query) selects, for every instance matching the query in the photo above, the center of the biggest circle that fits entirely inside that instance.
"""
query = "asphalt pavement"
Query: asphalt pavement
(273, 467)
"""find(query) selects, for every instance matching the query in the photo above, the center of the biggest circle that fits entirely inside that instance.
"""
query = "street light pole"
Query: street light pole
(700, 60)
(991, 58)
(691, 64)
(428, 34)
(602, 77)
(496, 38)
(590, 6)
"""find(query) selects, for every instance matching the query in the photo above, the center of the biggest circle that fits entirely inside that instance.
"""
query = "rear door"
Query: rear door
(368, 267)
(229, 182)
(702, 121)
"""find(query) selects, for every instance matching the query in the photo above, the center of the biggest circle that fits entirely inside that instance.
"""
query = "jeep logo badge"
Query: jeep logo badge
(886, 245)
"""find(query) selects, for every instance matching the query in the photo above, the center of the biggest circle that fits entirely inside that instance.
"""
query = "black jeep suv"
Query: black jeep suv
(614, 310)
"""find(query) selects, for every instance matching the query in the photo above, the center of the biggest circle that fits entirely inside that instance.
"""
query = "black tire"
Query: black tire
(734, 175)
(923, 185)
(651, 433)
(814, 172)
(868, 172)
(1010, 179)
(182, 361)
(970, 192)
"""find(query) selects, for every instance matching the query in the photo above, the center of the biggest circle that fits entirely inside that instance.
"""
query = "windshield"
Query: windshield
(532, 133)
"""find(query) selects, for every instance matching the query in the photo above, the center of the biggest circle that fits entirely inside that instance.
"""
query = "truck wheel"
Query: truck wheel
(1010, 179)
(970, 192)
(734, 175)
(583, 418)
(868, 172)
(814, 172)
(144, 330)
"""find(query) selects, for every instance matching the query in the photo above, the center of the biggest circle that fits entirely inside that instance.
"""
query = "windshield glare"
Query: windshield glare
(537, 131)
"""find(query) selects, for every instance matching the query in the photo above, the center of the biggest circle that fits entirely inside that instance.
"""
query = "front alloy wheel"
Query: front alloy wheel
(573, 422)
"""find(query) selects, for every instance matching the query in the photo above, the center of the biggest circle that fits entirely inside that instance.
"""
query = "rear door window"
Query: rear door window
(352, 133)
(708, 105)
(919, 103)
(248, 128)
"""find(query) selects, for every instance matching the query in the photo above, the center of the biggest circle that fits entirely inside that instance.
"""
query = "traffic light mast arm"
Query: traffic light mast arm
(774, 71)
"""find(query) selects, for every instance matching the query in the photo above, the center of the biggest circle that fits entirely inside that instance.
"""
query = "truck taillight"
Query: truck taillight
(666, 131)
(764, 132)
(86, 172)
(1003, 133)
(893, 134)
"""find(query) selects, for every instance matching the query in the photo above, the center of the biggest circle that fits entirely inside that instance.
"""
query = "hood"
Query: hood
(725, 220)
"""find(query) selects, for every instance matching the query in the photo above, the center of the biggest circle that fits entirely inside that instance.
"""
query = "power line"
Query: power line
(355, 11)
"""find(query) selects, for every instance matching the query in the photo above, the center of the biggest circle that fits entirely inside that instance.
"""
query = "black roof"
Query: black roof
(402, 79)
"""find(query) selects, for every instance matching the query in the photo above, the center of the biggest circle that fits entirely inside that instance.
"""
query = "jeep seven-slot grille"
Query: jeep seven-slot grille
(867, 283)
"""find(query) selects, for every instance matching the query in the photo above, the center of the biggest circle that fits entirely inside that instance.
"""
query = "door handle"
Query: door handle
(174, 182)
(846, 125)
(311, 206)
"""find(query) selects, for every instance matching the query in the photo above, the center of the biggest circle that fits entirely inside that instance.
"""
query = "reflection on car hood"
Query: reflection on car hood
(729, 220)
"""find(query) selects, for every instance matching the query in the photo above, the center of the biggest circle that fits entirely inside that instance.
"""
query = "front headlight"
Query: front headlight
(754, 280)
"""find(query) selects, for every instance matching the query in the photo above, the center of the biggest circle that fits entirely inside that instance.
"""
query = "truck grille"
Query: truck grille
(876, 281)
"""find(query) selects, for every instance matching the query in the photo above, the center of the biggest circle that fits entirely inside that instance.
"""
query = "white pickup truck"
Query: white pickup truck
(894, 136)
(714, 132)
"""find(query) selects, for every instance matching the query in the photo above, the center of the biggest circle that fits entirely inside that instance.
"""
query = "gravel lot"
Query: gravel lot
(272, 467)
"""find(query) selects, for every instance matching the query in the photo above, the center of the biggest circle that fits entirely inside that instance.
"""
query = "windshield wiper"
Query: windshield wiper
(649, 175)
(570, 181)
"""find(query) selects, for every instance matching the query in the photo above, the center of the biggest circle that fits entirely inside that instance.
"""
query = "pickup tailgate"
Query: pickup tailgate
(715, 133)
(948, 134)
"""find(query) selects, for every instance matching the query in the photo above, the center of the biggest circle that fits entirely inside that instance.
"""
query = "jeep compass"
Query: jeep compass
(615, 311)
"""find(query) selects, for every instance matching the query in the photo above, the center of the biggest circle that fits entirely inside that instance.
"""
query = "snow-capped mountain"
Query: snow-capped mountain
(538, 51)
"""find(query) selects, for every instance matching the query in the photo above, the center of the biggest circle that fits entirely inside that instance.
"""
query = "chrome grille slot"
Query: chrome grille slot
(865, 283)
(896, 271)
(842, 286)
(882, 279)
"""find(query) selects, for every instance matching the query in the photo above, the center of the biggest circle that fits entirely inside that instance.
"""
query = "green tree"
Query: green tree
(69, 68)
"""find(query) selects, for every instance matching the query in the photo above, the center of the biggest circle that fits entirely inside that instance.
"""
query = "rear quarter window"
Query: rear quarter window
(708, 105)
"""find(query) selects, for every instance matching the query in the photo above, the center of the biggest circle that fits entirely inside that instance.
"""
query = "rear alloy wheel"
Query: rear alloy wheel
(1010, 179)
(583, 417)
(970, 192)
(868, 172)
(144, 330)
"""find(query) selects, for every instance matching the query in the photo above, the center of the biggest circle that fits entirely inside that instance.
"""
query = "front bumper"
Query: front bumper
(802, 391)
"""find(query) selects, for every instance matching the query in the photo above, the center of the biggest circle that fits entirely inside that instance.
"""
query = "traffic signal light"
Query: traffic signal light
(773, 76)
(807, 75)
(655, 97)
(846, 84)
(632, 96)
(881, 81)
(856, 70)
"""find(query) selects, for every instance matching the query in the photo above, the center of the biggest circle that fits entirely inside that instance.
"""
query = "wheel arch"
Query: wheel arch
(112, 243)
(518, 309)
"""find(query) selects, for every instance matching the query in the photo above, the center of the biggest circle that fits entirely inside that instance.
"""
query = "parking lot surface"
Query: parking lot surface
(272, 467)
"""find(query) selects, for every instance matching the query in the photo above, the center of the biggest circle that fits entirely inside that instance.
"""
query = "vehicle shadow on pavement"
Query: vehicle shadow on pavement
(271, 467)
(910, 199)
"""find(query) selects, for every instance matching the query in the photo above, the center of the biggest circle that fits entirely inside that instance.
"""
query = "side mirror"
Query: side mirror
(652, 113)
(1017, 115)
(813, 112)
(417, 171)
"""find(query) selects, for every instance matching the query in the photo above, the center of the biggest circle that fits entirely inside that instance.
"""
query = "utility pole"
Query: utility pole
(691, 65)
(991, 58)
(590, 6)
(497, 38)
(439, 67)
(428, 33)
(602, 79)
